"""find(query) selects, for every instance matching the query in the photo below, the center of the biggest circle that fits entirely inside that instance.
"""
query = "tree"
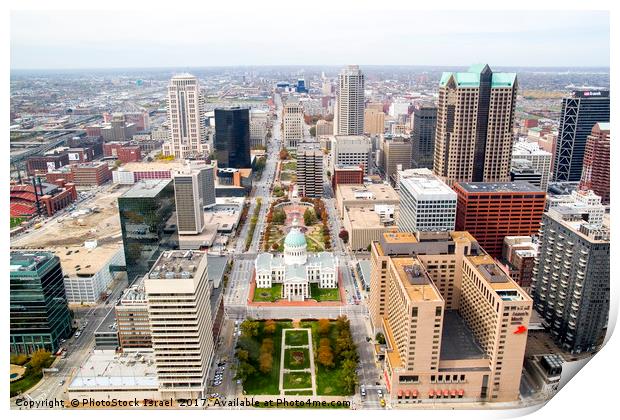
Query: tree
(279, 216)
(269, 327)
(326, 356)
(324, 327)
(369, 248)
(329, 173)
(348, 376)
(380, 338)
(313, 131)
(309, 217)
(244, 370)
(249, 328)
(243, 355)
(284, 155)
(39, 359)
(267, 346)
(265, 362)
(344, 235)
(275, 246)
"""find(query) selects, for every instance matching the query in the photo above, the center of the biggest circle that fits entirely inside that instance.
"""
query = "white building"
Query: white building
(185, 109)
(87, 270)
(178, 292)
(293, 124)
(349, 109)
(194, 189)
(350, 151)
(296, 269)
(540, 159)
(426, 203)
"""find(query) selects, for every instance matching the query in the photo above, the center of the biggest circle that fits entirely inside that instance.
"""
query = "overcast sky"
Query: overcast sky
(109, 39)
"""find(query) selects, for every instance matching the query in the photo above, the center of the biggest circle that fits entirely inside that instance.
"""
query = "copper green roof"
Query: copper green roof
(471, 78)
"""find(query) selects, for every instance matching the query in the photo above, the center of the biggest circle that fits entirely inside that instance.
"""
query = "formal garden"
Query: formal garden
(308, 357)
(27, 371)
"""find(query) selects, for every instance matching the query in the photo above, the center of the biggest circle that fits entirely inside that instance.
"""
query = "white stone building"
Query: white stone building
(296, 269)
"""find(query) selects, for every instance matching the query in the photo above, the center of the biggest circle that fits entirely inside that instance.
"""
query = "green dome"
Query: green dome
(295, 238)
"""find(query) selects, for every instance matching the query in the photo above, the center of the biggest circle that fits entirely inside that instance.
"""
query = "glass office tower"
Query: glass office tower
(232, 137)
(40, 316)
(145, 212)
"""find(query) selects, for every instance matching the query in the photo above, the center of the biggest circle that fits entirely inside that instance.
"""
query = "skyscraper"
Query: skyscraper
(40, 317)
(570, 284)
(178, 292)
(595, 174)
(423, 135)
(349, 110)
(310, 170)
(232, 137)
(374, 121)
(580, 112)
(396, 155)
(185, 109)
(293, 123)
(194, 189)
(475, 118)
(144, 211)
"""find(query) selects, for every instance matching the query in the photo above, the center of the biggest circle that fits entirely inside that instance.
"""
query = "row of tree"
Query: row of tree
(337, 350)
(254, 357)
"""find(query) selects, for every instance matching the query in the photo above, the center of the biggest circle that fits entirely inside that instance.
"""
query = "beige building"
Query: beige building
(185, 109)
(293, 124)
(364, 226)
(178, 293)
(349, 109)
(365, 196)
(396, 154)
(455, 323)
(310, 170)
(324, 128)
(475, 120)
(132, 318)
(374, 121)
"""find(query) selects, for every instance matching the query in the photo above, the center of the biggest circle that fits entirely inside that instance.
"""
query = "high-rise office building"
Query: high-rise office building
(455, 324)
(424, 119)
(426, 203)
(374, 121)
(132, 318)
(232, 137)
(39, 317)
(396, 154)
(492, 211)
(580, 112)
(349, 109)
(596, 164)
(571, 274)
(258, 127)
(350, 151)
(185, 118)
(144, 211)
(310, 170)
(178, 292)
(539, 158)
(194, 189)
(293, 124)
(324, 128)
(518, 255)
(475, 119)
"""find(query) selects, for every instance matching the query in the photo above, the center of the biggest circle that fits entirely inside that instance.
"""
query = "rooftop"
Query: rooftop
(423, 183)
(415, 280)
(158, 165)
(471, 78)
(499, 187)
(176, 265)
(360, 192)
(108, 370)
(26, 261)
(457, 340)
(147, 188)
(364, 218)
(86, 261)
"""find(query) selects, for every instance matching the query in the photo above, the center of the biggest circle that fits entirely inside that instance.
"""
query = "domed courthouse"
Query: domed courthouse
(296, 269)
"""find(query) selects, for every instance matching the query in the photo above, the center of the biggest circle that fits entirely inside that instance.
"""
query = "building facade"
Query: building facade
(178, 296)
(185, 109)
(571, 276)
(310, 170)
(580, 112)
(232, 137)
(596, 163)
(349, 109)
(350, 151)
(293, 124)
(426, 203)
(540, 160)
(475, 120)
(39, 316)
(374, 121)
(424, 120)
(492, 211)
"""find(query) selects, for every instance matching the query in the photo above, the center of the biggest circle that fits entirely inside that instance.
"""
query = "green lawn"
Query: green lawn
(268, 295)
(296, 359)
(15, 221)
(297, 338)
(295, 380)
(290, 166)
(297, 392)
(322, 295)
(267, 384)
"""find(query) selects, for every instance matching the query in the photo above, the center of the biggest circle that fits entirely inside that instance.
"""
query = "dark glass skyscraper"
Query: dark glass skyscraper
(232, 137)
(423, 135)
(40, 317)
(144, 211)
(579, 114)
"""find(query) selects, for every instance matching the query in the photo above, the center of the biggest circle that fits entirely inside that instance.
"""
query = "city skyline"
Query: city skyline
(47, 40)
